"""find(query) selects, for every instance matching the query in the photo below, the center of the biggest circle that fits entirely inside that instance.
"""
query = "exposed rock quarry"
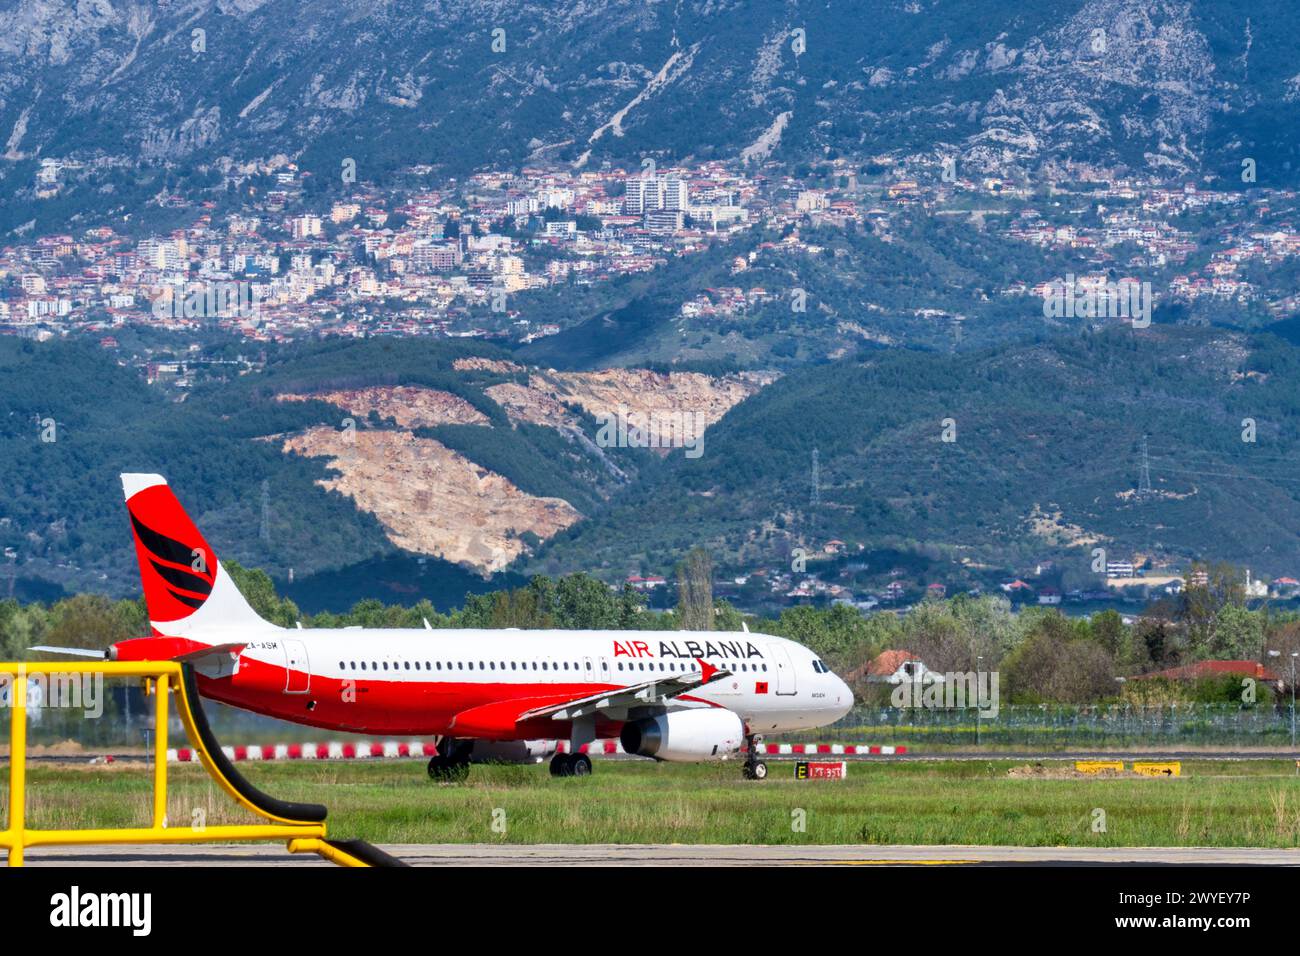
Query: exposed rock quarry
(410, 406)
(486, 364)
(432, 500)
(522, 403)
(641, 391)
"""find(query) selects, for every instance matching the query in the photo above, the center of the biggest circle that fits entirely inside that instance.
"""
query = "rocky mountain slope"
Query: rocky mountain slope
(432, 500)
(335, 454)
(989, 458)
(997, 458)
(200, 91)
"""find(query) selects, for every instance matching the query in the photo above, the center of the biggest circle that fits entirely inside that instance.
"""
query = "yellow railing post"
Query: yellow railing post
(160, 689)
(306, 835)
(18, 766)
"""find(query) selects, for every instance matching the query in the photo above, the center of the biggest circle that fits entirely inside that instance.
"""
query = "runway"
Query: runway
(674, 855)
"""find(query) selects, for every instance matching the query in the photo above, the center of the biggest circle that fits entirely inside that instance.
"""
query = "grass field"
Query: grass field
(1215, 803)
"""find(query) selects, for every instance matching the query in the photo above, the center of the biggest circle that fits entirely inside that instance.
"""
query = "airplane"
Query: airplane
(687, 696)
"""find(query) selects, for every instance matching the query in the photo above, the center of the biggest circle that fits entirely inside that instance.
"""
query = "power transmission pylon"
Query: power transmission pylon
(1144, 472)
(814, 497)
(265, 530)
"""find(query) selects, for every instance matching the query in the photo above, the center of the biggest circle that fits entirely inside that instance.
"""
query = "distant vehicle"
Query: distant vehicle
(680, 696)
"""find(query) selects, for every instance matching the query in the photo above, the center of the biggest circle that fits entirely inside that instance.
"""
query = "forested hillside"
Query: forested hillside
(74, 419)
(1044, 458)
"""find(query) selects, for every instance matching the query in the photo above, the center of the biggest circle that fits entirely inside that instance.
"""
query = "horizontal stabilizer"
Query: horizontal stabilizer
(68, 651)
(219, 660)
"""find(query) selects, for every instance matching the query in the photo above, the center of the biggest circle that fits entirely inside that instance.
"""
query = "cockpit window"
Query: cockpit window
(819, 667)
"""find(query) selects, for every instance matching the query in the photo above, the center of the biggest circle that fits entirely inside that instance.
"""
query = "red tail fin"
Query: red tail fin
(185, 589)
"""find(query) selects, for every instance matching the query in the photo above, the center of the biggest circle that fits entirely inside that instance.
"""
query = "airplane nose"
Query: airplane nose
(843, 696)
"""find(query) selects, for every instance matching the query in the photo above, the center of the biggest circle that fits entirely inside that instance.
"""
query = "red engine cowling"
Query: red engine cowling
(688, 736)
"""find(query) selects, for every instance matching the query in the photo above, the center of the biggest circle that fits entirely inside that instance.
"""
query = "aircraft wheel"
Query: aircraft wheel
(759, 770)
(444, 770)
(561, 766)
(580, 766)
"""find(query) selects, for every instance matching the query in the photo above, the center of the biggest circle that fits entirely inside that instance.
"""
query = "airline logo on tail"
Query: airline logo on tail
(186, 591)
(177, 566)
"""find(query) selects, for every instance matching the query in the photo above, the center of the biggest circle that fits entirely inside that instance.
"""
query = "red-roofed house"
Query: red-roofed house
(1202, 669)
(1286, 587)
(891, 667)
(647, 583)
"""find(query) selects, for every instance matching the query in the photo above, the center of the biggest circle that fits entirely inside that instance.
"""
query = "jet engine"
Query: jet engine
(685, 735)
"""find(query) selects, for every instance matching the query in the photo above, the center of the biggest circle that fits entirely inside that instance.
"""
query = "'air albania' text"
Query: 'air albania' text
(740, 650)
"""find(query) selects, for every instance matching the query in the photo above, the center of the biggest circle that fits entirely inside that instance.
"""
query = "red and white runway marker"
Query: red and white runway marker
(396, 750)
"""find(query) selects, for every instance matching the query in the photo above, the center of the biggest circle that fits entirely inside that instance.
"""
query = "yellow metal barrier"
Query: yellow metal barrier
(166, 677)
(1172, 768)
(1098, 766)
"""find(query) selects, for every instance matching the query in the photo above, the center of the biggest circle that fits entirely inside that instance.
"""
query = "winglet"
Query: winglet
(707, 670)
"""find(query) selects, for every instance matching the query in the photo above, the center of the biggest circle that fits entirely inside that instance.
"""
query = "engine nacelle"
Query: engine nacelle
(685, 735)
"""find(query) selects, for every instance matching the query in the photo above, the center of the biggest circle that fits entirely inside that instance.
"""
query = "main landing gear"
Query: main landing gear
(570, 765)
(755, 769)
(451, 765)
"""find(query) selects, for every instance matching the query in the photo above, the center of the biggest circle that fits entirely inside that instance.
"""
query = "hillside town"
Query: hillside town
(840, 574)
(455, 258)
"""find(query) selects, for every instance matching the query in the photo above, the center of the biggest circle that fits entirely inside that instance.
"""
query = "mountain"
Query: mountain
(107, 107)
(414, 468)
(411, 464)
(991, 458)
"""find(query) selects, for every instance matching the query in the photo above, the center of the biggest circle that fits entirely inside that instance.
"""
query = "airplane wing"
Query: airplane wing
(653, 691)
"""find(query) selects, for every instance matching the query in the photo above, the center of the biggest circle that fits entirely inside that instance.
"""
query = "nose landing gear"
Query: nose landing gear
(754, 769)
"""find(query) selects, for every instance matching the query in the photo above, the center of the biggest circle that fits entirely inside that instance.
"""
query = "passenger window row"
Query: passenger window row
(673, 666)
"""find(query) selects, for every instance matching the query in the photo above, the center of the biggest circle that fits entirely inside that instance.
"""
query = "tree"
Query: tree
(1154, 642)
(21, 626)
(576, 601)
(93, 621)
(1055, 665)
(259, 591)
(695, 591)
(1201, 602)
(586, 603)
(829, 632)
(1238, 634)
(726, 616)
(630, 604)
(1109, 631)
